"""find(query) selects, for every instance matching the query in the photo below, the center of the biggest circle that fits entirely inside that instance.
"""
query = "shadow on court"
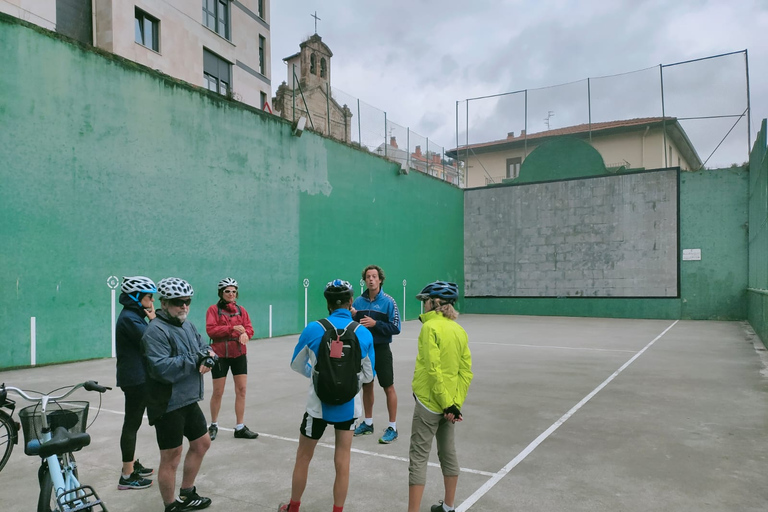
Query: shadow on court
(564, 414)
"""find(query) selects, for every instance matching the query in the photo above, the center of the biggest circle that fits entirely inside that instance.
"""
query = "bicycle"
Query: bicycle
(53, 436)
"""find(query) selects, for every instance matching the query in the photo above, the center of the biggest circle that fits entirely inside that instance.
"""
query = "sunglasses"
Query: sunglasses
(180, 302)
(230, 291)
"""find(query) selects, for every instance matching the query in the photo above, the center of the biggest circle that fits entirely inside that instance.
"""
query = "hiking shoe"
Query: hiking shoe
(363, 429)
(389, 435)
(189, 501)
(437, 508)
(212, 431)
(139, 469)
(133, 482)
(245, 433)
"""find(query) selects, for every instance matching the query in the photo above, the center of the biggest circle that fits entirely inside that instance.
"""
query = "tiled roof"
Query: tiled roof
(579, 128)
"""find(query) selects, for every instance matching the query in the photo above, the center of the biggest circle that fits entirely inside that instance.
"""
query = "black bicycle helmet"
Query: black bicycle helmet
(444, 290)
(338, 292)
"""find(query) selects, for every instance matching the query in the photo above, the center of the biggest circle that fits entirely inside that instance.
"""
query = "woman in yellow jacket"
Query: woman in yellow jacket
(440, 383)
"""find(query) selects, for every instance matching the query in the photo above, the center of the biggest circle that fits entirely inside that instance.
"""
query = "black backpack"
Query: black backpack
(335, 374)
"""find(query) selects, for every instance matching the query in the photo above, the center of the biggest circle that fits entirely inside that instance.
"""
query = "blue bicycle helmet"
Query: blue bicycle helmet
(338, 292)
(444, 290)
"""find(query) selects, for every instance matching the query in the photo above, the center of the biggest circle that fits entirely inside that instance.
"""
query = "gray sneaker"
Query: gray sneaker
(213, 430)
(133, 482)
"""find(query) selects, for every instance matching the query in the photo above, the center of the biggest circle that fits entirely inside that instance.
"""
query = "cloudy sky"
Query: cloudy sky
(415, 59)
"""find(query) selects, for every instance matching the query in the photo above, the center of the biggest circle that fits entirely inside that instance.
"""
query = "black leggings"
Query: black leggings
(135, 404)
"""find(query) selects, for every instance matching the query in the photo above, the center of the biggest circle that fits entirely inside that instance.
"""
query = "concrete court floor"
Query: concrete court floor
(564, 414)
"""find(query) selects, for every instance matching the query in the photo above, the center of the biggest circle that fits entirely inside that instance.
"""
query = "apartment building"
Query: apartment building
(223, 45)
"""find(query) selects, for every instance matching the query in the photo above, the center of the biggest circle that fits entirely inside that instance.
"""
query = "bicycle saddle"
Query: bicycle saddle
(63, 442)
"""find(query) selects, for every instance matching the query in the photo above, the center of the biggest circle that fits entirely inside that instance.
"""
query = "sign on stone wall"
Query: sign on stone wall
(612, 236)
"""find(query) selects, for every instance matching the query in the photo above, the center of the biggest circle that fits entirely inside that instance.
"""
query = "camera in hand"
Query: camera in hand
(207, 359)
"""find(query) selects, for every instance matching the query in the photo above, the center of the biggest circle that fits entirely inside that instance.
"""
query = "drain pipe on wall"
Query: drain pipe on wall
(642, 146)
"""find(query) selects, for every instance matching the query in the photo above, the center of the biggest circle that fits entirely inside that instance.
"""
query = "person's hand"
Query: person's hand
(367, 321)
(204, 369)
(452, 414)
(353, 311)
(150, 311)
(239, 328)
(243, 338)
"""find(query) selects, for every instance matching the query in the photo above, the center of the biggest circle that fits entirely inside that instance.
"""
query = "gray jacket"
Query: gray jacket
(170, 354)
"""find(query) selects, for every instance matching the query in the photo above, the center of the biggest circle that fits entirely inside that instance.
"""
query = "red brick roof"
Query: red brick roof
(579, 128)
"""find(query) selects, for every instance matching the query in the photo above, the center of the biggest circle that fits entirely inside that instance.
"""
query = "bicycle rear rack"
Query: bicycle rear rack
(85, 499)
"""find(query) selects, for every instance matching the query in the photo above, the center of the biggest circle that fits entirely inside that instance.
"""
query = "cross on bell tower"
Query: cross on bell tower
(316, 20)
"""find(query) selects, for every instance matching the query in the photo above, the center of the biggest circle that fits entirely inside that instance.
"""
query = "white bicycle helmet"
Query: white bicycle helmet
(227, 281)
(173, 288)
(138, 284)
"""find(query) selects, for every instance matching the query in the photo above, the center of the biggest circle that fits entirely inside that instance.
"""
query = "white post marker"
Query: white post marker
(362, 287)
(33, 340)
(306, 287)
(403, 315)
(270, 320)
(112, 282)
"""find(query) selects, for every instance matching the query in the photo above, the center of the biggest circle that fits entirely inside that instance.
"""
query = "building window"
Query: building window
(217, 73)
(513, 167)
(147, 30)
(263, 100)
(262, 64)
(216, 16)
(260, 9)
(312, 64)
(322, 68)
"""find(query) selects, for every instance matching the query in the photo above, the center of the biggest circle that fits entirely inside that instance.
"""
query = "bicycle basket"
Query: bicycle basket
(73, 416)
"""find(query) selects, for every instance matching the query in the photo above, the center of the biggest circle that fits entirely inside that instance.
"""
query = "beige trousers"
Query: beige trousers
(426, 426)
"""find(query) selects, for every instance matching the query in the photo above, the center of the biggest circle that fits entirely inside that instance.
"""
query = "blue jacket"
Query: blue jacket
(305, 357)
(383, 309)
(129, 329)
(173, 376)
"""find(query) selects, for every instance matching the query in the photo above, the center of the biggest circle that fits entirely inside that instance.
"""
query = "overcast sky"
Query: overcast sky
(414, 59)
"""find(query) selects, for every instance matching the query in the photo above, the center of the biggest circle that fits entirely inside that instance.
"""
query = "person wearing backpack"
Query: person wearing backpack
(336, 354)
(229, 327)
(441, 380)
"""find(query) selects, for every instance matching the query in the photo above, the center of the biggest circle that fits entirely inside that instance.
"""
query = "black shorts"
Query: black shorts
(239, 366)
(384, 368)
(172, 427)
(313, 428)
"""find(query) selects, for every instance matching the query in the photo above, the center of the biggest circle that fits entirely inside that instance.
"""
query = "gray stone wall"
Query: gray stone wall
(613, 236)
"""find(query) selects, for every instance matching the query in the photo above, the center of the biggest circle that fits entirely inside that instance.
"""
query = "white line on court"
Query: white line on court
(487, 486)
(551, 346)
(326, 445)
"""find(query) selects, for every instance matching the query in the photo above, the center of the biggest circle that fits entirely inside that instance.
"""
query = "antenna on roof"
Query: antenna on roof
(550, 115)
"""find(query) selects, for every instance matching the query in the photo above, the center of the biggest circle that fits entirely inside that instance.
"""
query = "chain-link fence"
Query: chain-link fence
(705, 101)
(373, 131)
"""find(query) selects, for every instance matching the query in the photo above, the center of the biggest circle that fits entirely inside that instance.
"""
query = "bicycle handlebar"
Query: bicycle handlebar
(88, 385)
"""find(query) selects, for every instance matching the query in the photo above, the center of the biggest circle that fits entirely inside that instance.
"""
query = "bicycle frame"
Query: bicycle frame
(66, 487)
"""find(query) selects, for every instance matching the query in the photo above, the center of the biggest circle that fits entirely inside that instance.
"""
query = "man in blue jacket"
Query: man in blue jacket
(176, 359)
(378, 312)
(338, 294)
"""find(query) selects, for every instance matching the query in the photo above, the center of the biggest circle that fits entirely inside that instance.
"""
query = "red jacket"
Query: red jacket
(219, 323)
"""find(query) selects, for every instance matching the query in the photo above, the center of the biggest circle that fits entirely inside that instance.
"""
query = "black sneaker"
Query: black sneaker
(437, 508)
(141, 470)
(245, 433)
(133, 482)
(212, 431)
(188, 501)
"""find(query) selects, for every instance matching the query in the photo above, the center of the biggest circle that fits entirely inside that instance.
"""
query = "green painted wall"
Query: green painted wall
(713, 218)
(758, 236)
(112, 169)
(554, 161)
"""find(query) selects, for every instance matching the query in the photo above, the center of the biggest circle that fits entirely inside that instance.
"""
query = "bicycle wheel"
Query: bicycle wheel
(47, 500)
(7, 437)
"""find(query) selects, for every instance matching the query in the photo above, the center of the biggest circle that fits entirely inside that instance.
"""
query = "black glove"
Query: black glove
(207, 359)
(453, 410)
